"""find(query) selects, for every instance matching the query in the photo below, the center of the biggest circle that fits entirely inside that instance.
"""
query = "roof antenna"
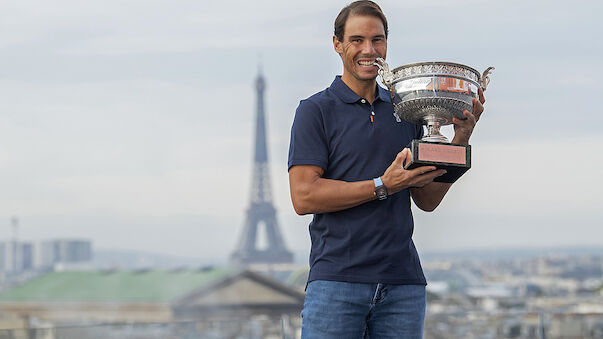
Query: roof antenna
(15, 224)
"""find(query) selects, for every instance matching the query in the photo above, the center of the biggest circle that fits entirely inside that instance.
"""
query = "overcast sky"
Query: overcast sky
(130, 122)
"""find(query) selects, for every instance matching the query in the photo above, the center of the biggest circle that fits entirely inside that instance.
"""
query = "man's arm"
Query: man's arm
(429, 196)
(311, 193)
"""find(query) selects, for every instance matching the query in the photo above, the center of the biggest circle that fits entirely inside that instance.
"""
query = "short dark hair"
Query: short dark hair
(362, 7)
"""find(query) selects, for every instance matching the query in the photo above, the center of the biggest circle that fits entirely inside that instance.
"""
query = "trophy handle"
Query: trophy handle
(386, 75)
(485, 79)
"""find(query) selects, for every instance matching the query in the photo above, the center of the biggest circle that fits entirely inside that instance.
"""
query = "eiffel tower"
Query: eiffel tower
(261, 211)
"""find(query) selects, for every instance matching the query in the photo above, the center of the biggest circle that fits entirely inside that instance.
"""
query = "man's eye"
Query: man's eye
(356, 40)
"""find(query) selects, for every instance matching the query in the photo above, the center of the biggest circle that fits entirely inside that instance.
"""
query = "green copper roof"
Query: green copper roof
(125, 286)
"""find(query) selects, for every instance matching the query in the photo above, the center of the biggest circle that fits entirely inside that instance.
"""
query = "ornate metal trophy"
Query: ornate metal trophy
(430, 94)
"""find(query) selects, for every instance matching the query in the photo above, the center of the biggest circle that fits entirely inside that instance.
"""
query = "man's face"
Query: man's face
(363, 41)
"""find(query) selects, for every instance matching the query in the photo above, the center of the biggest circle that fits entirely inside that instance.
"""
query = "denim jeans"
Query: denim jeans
(341, 310)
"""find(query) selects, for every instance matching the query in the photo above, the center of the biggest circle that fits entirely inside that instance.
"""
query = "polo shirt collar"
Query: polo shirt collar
(383, 94)
(348, 96)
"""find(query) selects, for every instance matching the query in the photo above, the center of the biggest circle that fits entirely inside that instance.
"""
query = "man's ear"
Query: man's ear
(337, 45)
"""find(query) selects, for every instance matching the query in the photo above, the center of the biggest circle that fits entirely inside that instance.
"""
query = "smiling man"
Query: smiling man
(346, 162)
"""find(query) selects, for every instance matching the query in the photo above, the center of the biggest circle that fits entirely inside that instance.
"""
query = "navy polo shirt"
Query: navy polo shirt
(372, 242)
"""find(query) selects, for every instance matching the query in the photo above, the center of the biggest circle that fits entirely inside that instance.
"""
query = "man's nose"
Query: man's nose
(368, 47)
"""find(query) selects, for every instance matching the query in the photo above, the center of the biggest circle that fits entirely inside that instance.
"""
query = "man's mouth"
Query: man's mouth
(366, 62)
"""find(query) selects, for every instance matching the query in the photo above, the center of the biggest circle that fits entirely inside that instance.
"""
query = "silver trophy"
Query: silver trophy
(430, 94)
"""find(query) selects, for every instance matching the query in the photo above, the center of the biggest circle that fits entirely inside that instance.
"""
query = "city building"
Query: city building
(63, 251)
(225, 302)
(15, 256)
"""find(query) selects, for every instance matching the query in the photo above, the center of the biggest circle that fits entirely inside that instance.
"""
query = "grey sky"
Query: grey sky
(129, 122)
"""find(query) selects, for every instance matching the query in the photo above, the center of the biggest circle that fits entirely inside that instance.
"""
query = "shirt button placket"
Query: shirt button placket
(372, 113)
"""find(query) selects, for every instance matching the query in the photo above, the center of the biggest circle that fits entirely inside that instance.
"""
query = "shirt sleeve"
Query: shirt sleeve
(308, 144)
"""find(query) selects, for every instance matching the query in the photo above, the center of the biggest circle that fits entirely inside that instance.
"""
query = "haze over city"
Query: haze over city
(130, 123)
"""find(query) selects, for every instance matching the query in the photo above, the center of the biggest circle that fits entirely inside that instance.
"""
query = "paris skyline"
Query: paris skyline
(131, 123)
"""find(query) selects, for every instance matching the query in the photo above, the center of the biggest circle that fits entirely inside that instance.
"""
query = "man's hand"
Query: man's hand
(464, 128)
(396, 178)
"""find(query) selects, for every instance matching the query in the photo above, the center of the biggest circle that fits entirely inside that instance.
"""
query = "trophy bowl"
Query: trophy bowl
(431, 93)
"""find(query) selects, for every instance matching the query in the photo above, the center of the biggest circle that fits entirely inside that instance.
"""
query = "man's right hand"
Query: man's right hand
(396, 178)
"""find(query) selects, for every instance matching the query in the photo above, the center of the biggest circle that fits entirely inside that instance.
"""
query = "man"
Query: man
(365, 278)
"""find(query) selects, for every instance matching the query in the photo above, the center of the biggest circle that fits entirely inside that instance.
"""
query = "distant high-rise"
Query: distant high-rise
(16, 248)
(15, 256)
(261, 214)
(19, 256)
(64, 251)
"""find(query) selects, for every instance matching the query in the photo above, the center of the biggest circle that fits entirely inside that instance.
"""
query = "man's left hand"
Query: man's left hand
(464, 128)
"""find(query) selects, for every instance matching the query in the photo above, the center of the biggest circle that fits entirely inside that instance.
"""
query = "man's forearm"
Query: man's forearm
(326, 195)
(460, 139)
(429, 196)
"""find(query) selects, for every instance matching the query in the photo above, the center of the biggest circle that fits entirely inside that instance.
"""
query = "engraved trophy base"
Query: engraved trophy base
(454, 158)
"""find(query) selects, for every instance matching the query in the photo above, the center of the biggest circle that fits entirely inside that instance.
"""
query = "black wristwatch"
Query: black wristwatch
(380, 190)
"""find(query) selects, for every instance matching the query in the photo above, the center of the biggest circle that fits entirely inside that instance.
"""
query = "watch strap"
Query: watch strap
(380, 190)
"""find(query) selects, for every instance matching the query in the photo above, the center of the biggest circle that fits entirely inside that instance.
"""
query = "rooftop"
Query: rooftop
(115, 286)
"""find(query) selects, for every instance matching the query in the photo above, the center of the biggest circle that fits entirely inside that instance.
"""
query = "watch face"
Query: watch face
(381, 192)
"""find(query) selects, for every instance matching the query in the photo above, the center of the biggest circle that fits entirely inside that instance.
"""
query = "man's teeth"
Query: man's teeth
(366, 63)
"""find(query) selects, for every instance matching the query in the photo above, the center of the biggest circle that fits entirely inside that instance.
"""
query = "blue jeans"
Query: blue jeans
(341, 310)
